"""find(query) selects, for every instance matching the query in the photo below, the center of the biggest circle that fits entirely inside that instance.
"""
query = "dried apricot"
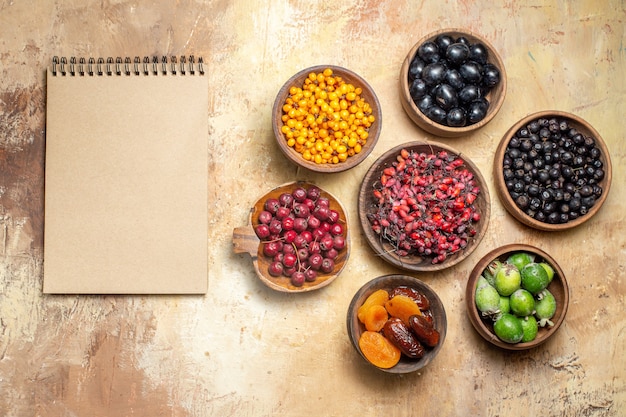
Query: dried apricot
(379, 350)
(375, 318)
(402, 307)
(378, 297)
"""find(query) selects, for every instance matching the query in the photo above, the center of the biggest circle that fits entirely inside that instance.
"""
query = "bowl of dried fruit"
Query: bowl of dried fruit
(452, 82)
(397, 323)
(297, 236)
(517, 297)
(552, 170)
(423, 206)
(326, 119)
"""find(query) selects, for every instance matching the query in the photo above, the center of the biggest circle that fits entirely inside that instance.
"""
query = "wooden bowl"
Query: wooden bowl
(495, 96)
(558, 287)
(368, 95)
(368, 205)
(389, 282)
(245, 240)
(505, 197)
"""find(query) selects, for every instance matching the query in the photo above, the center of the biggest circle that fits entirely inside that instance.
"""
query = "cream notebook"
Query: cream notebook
(126, 177)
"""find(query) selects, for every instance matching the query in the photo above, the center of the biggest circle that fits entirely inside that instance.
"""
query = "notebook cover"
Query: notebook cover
(126, 184)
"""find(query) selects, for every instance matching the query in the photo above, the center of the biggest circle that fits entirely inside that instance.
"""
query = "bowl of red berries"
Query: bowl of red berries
(423, 206)
(552, 170)
(297, 237)
(452, 82)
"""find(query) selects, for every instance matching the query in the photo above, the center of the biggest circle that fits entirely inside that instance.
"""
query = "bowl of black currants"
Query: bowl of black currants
(552, 170)
(452, 82)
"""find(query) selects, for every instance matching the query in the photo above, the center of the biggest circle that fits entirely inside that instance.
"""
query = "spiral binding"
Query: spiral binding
(148, 66)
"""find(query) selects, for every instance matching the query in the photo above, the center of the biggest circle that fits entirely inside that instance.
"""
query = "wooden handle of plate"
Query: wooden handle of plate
(246, 241)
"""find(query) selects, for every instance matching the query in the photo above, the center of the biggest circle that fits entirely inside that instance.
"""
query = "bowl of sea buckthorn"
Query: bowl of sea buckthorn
(326, 119)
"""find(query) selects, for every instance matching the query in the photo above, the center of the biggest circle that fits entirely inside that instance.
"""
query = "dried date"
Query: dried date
(401, 336)
(424, 331)
(419, 298)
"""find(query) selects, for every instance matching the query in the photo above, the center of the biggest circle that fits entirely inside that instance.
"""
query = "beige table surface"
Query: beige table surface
(243, 349)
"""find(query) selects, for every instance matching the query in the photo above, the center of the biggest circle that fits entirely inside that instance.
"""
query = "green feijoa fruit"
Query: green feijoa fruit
(549, 270)
(505, 305)
(534, 277)
(522, 303)
(481, 282)
(492, 269)
(509, 328)
(507, 280)
(545, 308)
(487, 300)
(520, 259)
(530, 328)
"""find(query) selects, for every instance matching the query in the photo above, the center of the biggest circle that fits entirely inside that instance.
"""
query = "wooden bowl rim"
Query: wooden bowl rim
(368, 93)
(506, 199)
(470, 297)
(355, 328)
(282, 283)
(420, 118)
(404, 262)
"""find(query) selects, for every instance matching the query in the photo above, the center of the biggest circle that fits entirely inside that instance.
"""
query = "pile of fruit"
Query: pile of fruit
(552, 171)
(301, 234)
(397, 322)
(424, 205)
(449, 79)
(514, 296)
(326, 119)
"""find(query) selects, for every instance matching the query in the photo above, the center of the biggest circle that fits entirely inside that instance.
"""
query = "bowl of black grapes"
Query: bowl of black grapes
(452, 82)
(552, 170)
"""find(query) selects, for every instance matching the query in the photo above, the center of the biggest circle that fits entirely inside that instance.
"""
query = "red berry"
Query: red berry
(300, 241)
(298, 278)
(301, 210)
(314, 247)
(336, 229)
(333, 216)
(315, 261)
(300, 224)
(314, 193)
(275, 269)
(289, 236)
(288, 223)
(314, 222)
(275, 226)
(327, 242)
(265, 217)
(327, 265)
(308, 236)
(310, 275)
(289, 260)
(272, 205)
(286, 199)
(271, 249)
(282, 212)
(321, 212)
(299, 194)
(339, 242)
(262, 231)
